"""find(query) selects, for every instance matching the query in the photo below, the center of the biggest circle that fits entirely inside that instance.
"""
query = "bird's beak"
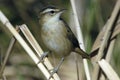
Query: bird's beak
(59, 13)
(62, 10)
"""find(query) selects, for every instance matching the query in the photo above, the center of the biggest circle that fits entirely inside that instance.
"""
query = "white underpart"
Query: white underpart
(56, 42)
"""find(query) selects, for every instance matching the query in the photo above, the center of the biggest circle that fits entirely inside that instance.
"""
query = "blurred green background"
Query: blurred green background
(95, 13)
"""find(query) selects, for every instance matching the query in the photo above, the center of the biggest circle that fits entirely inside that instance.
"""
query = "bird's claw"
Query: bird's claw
(43, 56)
(52, 72)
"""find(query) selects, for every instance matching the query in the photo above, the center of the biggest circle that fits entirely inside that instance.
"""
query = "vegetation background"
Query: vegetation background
(93, 16)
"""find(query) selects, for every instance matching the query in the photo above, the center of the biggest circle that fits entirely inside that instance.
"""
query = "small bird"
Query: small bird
(57, 35)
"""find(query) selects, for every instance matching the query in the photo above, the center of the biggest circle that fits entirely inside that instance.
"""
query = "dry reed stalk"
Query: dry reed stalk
(110, 73)
(80, 38)
(37, 48)
(9, 26)
(12, 42)
(106, 37)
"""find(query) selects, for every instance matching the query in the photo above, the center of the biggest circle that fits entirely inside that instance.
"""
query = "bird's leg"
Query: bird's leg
(56, 68)
(43, 56)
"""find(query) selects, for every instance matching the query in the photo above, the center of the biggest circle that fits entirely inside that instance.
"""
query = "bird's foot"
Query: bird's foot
(43, 56)
(53, 71)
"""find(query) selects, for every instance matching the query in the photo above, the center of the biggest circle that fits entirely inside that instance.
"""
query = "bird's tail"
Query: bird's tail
(82, 53)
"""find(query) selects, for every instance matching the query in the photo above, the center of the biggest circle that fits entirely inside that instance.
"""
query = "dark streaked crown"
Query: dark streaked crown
(51, 10)
(47, 9)
(50, 7)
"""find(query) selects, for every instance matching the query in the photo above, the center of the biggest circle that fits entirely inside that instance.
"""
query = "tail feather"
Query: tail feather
(82, 53)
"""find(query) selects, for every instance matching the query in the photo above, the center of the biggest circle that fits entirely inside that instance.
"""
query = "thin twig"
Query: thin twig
(4, 77)
(77, 67)
(80, 38)
(0, 56)
(106, 38)
(12, 42)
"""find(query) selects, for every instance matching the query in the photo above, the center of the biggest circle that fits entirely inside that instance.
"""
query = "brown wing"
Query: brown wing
(71, 36)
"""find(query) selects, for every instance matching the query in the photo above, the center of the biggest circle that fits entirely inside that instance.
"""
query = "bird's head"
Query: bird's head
(50, 14)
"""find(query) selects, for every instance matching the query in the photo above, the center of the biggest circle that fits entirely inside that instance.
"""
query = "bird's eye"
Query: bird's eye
(52, 12)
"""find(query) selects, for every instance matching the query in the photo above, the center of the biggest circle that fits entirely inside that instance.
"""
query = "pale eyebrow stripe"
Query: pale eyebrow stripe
(47, 10)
